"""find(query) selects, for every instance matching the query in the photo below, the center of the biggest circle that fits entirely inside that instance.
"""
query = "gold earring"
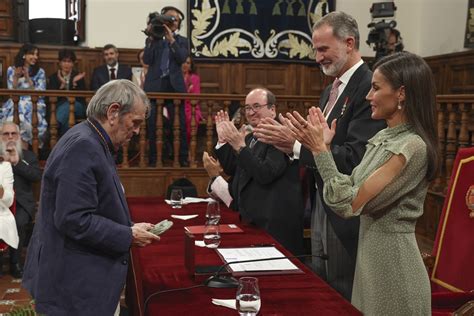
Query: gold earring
(399, 105)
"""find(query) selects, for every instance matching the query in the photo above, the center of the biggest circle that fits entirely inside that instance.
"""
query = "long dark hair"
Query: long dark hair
(20, 57)
(192, 67)
(412, 72)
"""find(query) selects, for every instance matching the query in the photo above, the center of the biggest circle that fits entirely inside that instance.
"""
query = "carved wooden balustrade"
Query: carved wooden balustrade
(209, 104)
(455, 130)
(455, 123)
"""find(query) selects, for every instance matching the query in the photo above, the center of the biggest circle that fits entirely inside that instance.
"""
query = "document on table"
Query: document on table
(253, 253)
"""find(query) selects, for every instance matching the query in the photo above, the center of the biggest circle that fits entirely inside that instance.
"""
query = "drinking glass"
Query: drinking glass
(248, 297)
(212, 237)
(176, 198)
(213, 212)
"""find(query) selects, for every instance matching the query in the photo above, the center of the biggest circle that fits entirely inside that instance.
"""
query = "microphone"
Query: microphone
(225, 281)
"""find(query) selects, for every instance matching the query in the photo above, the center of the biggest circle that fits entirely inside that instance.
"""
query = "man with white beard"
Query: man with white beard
(26, 171)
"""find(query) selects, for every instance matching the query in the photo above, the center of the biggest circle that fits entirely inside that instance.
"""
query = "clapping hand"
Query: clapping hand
(212, 165)
(271, 132)
(220, 118)
(308, 132)
(77, 77)
(315, 114)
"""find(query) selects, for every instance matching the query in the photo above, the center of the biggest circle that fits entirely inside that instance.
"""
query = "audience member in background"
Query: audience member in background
(8, 231)
(266, 187)
(336, 43)
(26, 171)
(193, 86)
(67, 78)
(78, 256)
(388, 188)
(394, 42)
(27, 75)
(139, 73)
(111, 70)
(165, 55)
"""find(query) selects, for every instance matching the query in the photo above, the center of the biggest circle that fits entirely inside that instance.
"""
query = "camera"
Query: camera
(157, 22)
(382, 29)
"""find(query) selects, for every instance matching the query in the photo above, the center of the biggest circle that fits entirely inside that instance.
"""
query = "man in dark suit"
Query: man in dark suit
(336, 43)
(266, 187)
(78, 255)
(26, 171)
(111, 70)
(164, 56)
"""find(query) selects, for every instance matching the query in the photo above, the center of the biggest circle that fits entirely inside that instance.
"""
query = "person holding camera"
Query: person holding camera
(165, 52)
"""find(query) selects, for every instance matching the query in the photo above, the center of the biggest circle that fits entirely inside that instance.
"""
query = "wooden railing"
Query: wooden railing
(209, 104)
(455, 123)
(455, 130)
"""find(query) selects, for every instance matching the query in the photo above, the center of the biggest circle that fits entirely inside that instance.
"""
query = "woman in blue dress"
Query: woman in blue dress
(26, 75)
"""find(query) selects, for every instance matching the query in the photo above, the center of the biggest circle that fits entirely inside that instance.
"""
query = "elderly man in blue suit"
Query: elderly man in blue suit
(78, 256)
(164, 54)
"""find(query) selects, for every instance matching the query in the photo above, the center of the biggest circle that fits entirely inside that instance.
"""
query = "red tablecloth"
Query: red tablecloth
(161, 266)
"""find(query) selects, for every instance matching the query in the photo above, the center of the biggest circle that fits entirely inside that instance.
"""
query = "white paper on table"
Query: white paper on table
(184, 217)
(253, 253)
(226, 303)
(199, 243)
(188, 200)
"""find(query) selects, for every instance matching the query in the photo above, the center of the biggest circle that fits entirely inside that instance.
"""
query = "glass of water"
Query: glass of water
(248, 297)
(212, 237)
(213, 212)
(176, 198)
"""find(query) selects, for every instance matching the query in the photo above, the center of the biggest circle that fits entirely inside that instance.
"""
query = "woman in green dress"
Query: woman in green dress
(387, 190)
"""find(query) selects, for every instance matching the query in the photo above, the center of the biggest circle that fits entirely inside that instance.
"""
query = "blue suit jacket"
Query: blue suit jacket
(78, 255)
(100, 76)
(179, 51)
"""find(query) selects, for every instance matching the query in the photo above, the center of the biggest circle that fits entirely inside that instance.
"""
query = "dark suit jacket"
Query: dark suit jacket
(354, 128)
(178, 53)
(55, 84)
(26, 172)
(267, 191)
(78, 255)
(100, 76)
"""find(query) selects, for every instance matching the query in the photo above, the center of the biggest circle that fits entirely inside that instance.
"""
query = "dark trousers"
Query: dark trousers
(167, 127)
(62, 114)
(22, 219)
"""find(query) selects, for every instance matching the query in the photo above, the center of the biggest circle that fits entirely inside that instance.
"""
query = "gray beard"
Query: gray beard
(17, 145)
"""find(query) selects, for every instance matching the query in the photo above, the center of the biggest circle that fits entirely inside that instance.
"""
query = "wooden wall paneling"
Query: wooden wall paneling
(212, 79)
(7, 31)
(462, 77)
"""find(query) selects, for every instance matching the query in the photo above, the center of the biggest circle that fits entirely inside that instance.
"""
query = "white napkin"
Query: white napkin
(188, 200)
(184, 217)
(225, 303)
(199, 243)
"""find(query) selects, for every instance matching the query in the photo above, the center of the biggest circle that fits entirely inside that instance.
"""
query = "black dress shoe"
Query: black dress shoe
(16, 271)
